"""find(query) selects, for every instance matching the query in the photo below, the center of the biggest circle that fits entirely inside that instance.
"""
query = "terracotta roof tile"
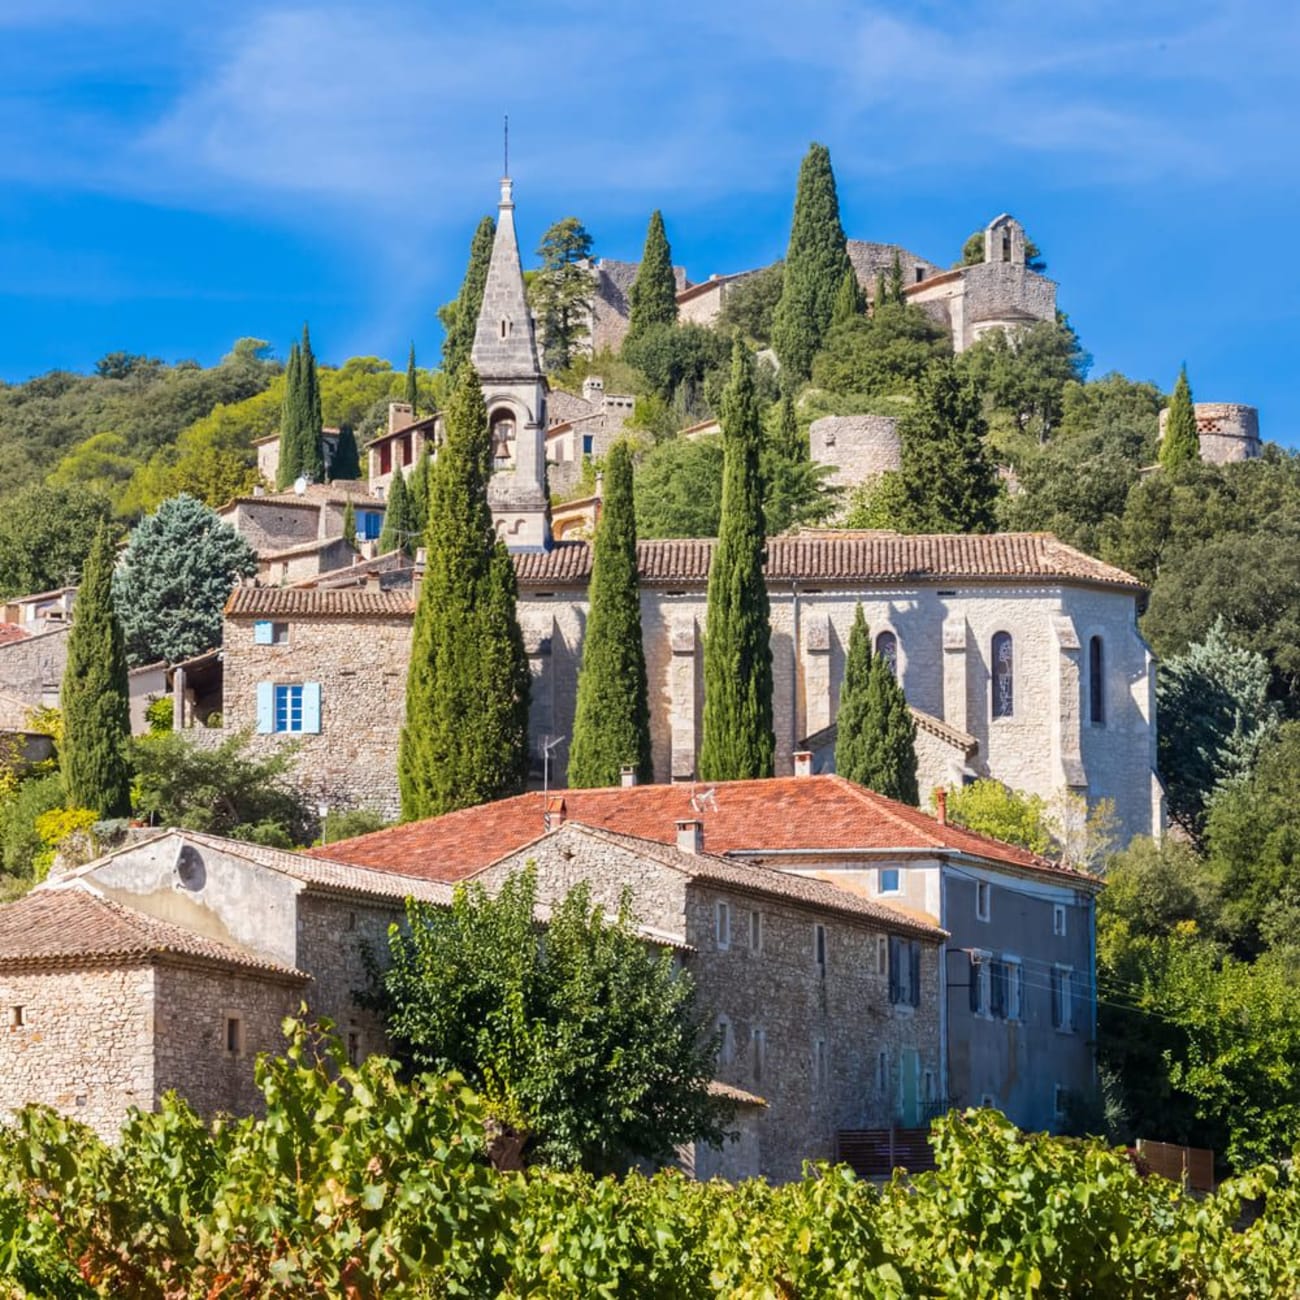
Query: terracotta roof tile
(779, 815)
(11, 632)
(70, 924)
(318, 602)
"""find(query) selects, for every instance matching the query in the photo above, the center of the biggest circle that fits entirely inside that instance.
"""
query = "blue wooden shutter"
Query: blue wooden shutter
(311, 706)
(915, 955)
(265, 705)
(895, 974)
(262, 632)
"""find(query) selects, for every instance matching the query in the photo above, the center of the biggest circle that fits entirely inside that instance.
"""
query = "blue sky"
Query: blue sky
(174, 176)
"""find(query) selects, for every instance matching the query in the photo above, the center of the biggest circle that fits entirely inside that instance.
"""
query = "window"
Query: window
(234, 1036)
(1060, 1100)
(405, 443)
(819, 1062)
(588, 444)
(887, 649)
(998, 990)
(502, 436)
(988, 1102)
(385, 457)
(1004, 676)
(983, 899)
(756, 931)
(505, 329)
(722, 925)
(1062, 1001)
(920, 274)
(819, 947)
(1015, 979)
(1096, 683)
(882, 955)
(726, 1041)
(16, 1018)
(268, 633)
(292, 708)
(370, 523)
(1058, 920)
(980, 982)
(888, 880)
(904, 972)
(757, 1052)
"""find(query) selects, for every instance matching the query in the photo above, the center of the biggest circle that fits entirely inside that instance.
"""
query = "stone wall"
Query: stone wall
(32, 669)
(275, 525)
(858, 447)
(1228, 432)
(85, 1046)
(990, 295)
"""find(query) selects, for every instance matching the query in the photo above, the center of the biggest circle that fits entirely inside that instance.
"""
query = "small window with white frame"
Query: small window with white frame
(819, 947)
(722, 925)
(983, 900)
(1015, 988)
(1058, 920)
(980, 981)
(756, 931)
(1062, 986)
(889, 880)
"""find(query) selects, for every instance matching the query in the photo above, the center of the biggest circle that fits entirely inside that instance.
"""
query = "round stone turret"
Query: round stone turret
(1228, 431)
(859, 447)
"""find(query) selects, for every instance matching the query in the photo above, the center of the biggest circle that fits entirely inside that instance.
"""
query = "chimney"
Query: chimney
(941, 804)
(553, 818)
(258, 490)
(627, 776)
(803, 762)
(400, 414)
(690, 836)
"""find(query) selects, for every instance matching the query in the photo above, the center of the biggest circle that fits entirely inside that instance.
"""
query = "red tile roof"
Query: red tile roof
(70, 926)
(318, 602)
(780, 815)
(11, 632)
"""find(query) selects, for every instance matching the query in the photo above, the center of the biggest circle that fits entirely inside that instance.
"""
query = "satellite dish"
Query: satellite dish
(300, 485)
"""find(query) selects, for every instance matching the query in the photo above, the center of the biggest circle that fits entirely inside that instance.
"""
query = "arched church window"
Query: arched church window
(1004, 675)
(502, 431)
(505, 328)
(887, 649)
(1096, 683)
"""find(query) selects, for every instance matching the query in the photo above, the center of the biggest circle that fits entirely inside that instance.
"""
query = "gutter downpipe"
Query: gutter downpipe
(794, 666)
(943, 984)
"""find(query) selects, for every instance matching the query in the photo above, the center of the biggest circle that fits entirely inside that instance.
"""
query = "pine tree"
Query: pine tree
(346, 464)
(848, 300)
(465, 738)
(814, 266)
(418, 495)
(412, 383)
(611, 728)
(460, 317)
(399, 530)
(313, 458)
(290, 456)
(1181, 443)
(95, 698)
(738, 741)
(949, 484)
(349, 523)
(653, 298)
(875, 734)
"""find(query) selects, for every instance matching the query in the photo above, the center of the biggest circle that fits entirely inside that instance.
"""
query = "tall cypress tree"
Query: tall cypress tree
(412, 383)
(611, 728)
(349, 523)
(848, 300)
(738, 741)
(465, 737)
(814, 266)
(290, 456)
(313, 458)
(653, 298)
(875, 734)
(347, 459)
(399, 530)
(894, 286)
(95, 698)
(789, 441)
(460, 318)
(418, 495)
(949, 483)
(1181, 443)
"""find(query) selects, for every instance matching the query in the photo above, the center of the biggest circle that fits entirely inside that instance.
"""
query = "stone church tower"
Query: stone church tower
(514, 388)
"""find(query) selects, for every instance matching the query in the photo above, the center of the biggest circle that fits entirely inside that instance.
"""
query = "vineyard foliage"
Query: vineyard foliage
(359, 1184)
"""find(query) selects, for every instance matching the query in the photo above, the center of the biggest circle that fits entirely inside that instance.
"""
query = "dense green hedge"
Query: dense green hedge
(359, 1185)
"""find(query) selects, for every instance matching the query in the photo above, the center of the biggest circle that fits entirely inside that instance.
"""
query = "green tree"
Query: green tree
(653, 297)
(45, 535)
(412, 383)
(101, 464)
(885, 354)
(738, 742)
(313, 456)
(972, 253)
(875, 735)
(794, 489)
(292, 415)
(993, 809)
(591, 1043)
(349, 523)
(677, 360)
(418, 495)
(1214, 713)
(849, 302)
(95, 698)
(460, 316)
(611, 727)
(173, 580)
(950, 484)
(1182, 442)
(223, 790)
(399, 530)
(347, 459)
(749, 303)
(679, 488)
(560, 291)
(815, 264)
(465, 738)
(894, 282)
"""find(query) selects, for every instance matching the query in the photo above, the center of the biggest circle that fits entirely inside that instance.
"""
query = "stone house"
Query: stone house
(171, 963)
(1016, 1001)
(582, 428)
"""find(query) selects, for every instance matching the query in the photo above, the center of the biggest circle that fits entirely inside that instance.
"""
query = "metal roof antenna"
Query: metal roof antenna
(705, 802)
